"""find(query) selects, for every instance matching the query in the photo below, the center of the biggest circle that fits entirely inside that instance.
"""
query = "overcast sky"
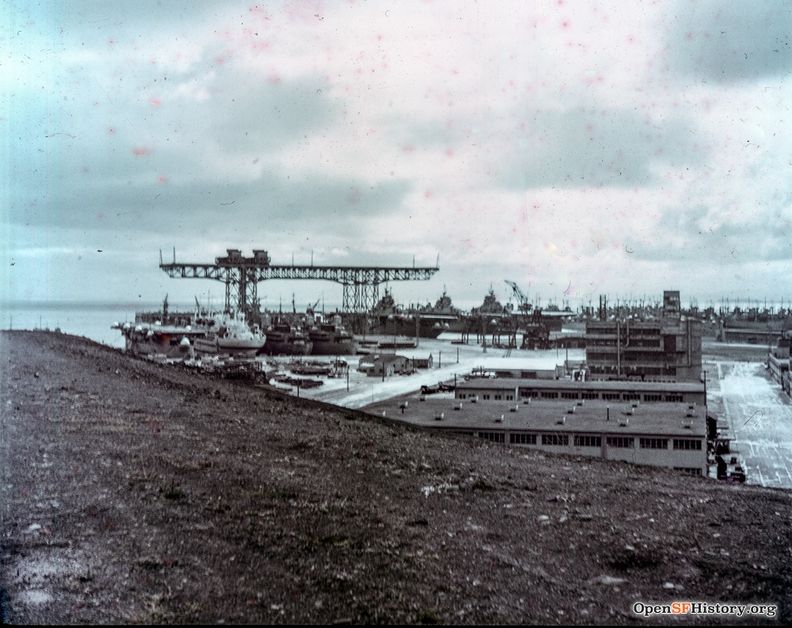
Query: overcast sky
(575, 147)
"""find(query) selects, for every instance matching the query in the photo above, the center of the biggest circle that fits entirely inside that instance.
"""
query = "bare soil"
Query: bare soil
(134, 492)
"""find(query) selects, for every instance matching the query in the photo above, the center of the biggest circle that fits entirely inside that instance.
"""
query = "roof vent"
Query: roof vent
(499, 420)
(457, 406)
(561, 421)
(581, 402)
(635, 403)
(624, 421)
(440, 416)
(690, 413)
(474, 399)
(630, 410)
(571, 410)
(692, 406)
(421, 398)
(527, 400)
(514, 408)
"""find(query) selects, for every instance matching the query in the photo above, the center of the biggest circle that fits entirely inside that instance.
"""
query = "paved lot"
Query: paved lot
(759, 416)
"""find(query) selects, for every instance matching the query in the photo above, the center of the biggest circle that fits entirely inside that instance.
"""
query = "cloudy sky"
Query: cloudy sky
(575, 147)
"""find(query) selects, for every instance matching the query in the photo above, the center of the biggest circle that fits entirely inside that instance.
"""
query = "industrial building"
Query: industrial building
(671, 435)
(747, 335)
(484, 390)
(388, 364)
(663, 349)
(778, 362)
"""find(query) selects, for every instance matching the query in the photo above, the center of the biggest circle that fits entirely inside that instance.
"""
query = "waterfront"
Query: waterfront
(137, 493)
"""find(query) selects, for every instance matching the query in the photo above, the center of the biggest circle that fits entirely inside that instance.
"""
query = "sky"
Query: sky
(577, 148)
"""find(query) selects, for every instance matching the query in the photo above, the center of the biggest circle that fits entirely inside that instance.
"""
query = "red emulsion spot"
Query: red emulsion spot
(155, 102)
(141, 151)
(408, 148)
(428, 194)
(162, 179)
(99, 216)
(630, 39)
(273, 78)
(219, 60)
(689, 36)
(111, 42)
(111, 130)
(353, 197)
(449, 153)
(565, 24)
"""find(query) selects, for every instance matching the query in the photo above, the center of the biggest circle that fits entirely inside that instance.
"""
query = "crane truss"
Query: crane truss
(360, 283)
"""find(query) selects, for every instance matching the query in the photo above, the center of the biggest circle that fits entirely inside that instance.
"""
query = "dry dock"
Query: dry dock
(134, 492)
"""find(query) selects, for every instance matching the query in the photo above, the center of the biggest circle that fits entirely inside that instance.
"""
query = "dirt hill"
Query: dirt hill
(136, 492)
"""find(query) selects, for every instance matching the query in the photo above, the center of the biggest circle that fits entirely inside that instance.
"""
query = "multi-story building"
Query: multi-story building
(667, 348)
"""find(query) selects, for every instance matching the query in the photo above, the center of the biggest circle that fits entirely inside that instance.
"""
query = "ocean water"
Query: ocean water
(92, 320)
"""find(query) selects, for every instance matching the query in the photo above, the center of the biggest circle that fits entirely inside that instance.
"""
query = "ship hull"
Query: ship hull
(286, 347)
(232, 347)
(426, 329)
(334, 347)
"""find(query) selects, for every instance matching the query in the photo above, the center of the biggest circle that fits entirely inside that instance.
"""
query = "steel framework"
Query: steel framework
(242, 275)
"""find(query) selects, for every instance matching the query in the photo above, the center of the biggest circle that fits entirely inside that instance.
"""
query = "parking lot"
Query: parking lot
(759, 419)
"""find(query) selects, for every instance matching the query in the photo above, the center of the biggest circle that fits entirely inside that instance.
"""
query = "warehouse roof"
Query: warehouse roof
(656, 419)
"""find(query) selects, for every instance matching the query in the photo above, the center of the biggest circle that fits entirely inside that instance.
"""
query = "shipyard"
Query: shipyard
(598, 393)
(396, 313)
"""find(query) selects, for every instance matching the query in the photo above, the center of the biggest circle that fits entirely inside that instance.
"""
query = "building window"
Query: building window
(494, 437)
(509, 397)
(461, 395)
(689, 470)
(569, 395)
(624, 442)
(674, 398)
(486, 396)
(522, 439)
(687, 443)
(653, 397)
(632, 397)
(497, 397)
(589, 395)
(587, 441)
(560, 440)
(611, 396)
(549, 395)
(654, 443)
(529, 393)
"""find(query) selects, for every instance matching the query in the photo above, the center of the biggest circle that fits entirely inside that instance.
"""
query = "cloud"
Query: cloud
(590, 147)
(732, 41)
(697, 235)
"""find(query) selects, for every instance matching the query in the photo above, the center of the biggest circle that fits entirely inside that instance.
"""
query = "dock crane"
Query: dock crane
(522, 300)
(535, 332)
